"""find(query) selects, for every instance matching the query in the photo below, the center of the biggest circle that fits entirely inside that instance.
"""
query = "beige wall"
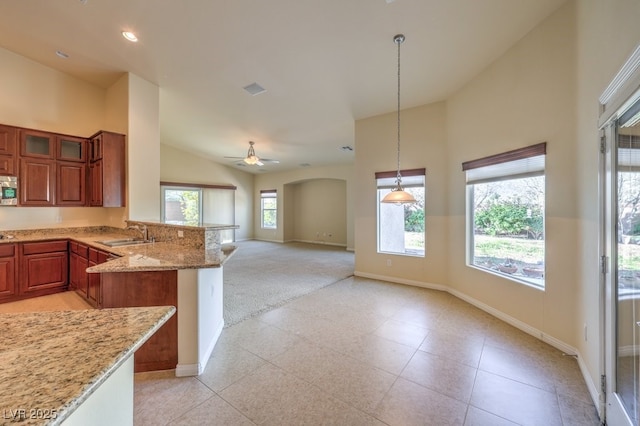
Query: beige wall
(423, 144)
(39, 97)
(286, 206)
(319, 211)
(607, 32)
(143, 150)
(180, 166)
(525, 97)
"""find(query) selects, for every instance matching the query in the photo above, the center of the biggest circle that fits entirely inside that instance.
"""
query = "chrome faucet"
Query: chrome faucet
(142, 229)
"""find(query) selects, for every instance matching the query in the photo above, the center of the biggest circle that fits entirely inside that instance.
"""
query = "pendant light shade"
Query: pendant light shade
(398, 195)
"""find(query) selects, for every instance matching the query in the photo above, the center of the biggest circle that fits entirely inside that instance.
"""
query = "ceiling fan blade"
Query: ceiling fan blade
(269, 160)
(260, 163)
(235, 158)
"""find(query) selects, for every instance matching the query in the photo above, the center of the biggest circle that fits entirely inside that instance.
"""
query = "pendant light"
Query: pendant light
(398, 195)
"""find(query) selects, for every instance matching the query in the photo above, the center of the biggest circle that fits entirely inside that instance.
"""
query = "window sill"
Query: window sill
(537, 284)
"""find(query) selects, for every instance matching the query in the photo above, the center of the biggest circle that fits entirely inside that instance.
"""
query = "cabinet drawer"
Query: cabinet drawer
(7, 250)
(44, 247)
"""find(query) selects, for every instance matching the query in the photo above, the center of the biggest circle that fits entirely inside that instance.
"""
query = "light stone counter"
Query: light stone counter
(190, 252)
(52, 362)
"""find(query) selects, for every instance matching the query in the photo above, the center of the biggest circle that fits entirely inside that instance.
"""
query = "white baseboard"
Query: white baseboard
(323, 243)
(556, 343)
(185, 370)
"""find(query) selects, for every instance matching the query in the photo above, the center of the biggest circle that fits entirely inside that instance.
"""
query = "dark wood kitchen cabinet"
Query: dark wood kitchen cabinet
(94, 292)
(107, 172)
(37, 181)
(44, 267)
(8, 271)
(71, 148)
(37, 144)
(78, 264)
(153, 288)
(71, 184)
(8, 163)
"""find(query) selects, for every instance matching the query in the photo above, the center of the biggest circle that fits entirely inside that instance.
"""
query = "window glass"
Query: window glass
(401, 227)
(269, 210)
(505, 214)
(181, 205)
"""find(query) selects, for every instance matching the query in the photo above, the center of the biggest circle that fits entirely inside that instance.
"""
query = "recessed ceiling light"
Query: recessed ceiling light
(61, 54)
(129, 36)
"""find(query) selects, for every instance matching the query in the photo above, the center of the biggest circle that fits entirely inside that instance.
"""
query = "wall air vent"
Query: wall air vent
(254, 89)
(305, 165)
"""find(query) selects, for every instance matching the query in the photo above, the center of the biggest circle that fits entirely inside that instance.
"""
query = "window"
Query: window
(181, 205)
(199, 204)
(269, 208)
(401, 227)
(505, 214)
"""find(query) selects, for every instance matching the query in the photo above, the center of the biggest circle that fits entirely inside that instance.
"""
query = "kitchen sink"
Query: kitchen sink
(122, 242)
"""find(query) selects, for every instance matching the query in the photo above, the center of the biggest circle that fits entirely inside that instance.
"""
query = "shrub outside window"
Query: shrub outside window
(401, 227)
(181, 205)
(269, 208)
(505, 214)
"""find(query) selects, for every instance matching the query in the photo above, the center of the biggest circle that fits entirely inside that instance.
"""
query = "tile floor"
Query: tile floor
(364, 352)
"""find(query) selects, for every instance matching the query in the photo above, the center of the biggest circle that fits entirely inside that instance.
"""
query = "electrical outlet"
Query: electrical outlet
(180, 234)
(585, 331)
(389, 262)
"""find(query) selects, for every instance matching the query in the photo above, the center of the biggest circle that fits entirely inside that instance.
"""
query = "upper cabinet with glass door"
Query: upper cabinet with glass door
(37, 144)
(70, 148)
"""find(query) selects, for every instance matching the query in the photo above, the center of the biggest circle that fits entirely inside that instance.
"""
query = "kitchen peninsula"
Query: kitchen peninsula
(73, 367)
(182, 267)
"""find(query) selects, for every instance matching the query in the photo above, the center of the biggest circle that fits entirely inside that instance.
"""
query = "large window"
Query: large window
(269, 208)
(199, 204)
(505, 214)
(401, 227)
(181, 205)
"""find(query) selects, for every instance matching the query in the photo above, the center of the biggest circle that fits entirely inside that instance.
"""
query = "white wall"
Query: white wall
(607, 34)
(423, 144)
(180, 166)
(143, 150)
(38, 97)
(279, 181)
(319, 211)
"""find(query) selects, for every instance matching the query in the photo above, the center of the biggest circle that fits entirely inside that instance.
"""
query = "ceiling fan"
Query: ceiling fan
(252, 159)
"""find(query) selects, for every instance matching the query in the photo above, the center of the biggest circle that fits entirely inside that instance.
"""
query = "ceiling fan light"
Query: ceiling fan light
(252, 159)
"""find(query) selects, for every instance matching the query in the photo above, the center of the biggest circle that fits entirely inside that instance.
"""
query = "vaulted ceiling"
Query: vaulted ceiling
(323, 63)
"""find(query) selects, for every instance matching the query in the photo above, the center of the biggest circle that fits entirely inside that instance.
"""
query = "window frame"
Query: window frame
(516, 164)
(268, 194)
(386, 181)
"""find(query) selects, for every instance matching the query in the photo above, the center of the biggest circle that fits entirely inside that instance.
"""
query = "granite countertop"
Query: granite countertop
(141, 257)
(52, 362)
(162, 256)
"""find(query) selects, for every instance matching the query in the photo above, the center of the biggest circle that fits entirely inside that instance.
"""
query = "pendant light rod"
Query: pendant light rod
(398, 195)
(398, 39)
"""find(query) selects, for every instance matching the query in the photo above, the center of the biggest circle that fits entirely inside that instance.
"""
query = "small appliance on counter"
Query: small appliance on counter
(8, 191)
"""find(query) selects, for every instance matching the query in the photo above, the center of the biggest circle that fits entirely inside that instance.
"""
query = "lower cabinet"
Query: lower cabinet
(85, 284)
(152, 288)
(8, 272)
(44, 267)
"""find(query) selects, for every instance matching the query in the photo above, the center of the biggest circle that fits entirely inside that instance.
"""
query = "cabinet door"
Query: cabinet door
(70, 148)
(37, 144)
(8, 136)
(37, 182)
(95, 147)
(95, 177)
(7, 271)
(44, 271)
(71, 184)
(8, 140)
(7, 165)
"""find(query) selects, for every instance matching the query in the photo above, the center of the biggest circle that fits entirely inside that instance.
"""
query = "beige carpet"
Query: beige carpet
(261, 276)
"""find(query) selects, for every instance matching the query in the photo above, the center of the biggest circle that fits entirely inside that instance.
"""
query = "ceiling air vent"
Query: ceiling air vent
(254, 89)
